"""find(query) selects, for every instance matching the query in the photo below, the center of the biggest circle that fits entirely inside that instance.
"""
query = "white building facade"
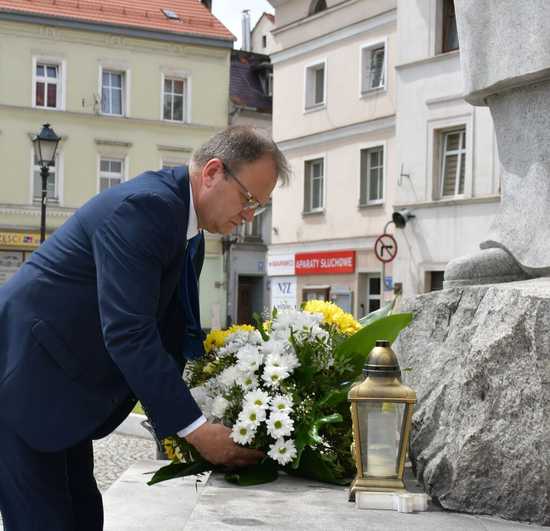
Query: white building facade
(334, 118)
(447, 164)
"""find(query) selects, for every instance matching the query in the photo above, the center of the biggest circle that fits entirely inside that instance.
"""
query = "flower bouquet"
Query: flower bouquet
(282, 387)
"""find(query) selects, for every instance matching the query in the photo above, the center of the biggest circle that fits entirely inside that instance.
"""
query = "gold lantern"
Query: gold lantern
(381, 411)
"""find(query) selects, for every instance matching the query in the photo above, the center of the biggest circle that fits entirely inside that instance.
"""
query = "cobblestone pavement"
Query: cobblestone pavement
(115, 453)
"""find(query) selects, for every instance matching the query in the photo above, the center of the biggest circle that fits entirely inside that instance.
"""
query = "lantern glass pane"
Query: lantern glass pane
(380, 425)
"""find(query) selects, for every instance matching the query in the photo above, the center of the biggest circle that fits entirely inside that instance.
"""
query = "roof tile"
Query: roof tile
(194, 18)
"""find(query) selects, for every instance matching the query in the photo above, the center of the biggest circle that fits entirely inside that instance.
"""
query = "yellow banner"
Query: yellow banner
(20, 240)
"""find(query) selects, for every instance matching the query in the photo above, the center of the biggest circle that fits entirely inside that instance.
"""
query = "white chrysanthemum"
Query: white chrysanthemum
(254, 337)
(243, 432)
(249, 358)
(279, 425)
(287, 359)
(273, 375)
(257, 398)
(282, 404)
(219, 405)
(282, 451)
(252, 415)
(238, 338)
(248, 381)
(228, 377)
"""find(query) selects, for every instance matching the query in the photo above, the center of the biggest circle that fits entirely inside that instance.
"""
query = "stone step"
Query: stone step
(288, 504)
(131, 505)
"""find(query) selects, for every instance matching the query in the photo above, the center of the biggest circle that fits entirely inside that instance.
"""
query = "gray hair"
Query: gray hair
(238, 145)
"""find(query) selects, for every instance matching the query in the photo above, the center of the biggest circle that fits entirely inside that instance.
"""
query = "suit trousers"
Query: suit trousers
(47, 491)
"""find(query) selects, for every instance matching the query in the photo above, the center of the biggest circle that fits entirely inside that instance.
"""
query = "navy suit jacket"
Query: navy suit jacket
(92, 319)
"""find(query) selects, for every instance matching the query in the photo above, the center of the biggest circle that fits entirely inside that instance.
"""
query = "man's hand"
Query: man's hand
(213, 442)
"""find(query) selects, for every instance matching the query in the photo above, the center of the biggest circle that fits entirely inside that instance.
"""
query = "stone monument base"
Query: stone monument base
(479, 360)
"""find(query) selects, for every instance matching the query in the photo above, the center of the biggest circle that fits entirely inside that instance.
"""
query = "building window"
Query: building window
(251, 230)
(269, 81)
(453, 163)
(174, 99)
(52, 183)
(313, 185)
(110, 173)
(264, 41)
(112, 92)
(449, 31)
(316, 293)
(373, 59)
(434, 280)
(47, 85)
(315, 85)
(372, 175)
(317, 6)
(374, 293)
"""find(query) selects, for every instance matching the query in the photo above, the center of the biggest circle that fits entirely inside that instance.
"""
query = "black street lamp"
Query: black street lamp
(45, 146)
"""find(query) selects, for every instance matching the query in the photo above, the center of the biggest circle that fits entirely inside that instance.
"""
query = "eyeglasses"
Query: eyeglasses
(251, 202)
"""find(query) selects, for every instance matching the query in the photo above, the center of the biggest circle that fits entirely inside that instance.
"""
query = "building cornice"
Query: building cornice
(32, 210)
(442, 203)
(440, 57)
(126, 31)
(337, 36)
(48, 115)
(360, 243)
(340, 133)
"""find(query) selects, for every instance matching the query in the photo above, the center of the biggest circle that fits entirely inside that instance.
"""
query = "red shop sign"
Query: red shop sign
(323, 263)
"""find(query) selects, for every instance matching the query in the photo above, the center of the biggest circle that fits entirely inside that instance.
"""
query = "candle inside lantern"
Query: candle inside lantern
(382, 435)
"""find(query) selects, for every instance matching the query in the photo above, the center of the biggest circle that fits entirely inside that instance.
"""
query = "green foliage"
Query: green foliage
(265, 471)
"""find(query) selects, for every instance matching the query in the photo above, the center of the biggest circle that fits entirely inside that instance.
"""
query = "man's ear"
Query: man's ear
(211, 172)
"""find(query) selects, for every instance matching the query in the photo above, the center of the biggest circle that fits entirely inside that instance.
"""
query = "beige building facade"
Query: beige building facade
(123, 100)
(334, 117)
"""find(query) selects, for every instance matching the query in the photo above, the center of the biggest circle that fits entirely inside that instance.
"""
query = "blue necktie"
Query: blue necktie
(193, 338)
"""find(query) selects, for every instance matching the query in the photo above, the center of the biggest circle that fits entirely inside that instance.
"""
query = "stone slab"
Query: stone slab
(287, 504)
(132, 505)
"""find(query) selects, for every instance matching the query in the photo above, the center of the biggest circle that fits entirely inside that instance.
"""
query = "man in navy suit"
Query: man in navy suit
(102, 314)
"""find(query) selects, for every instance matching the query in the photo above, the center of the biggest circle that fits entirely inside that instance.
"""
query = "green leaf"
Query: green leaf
(314, 430)
(363, 341)
(377, 314)
(314, 466)
(263, 472)
(335, 397)
(257, 318)
(179, 470)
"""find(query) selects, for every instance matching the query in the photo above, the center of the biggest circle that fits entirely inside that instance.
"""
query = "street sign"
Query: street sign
(385, 248)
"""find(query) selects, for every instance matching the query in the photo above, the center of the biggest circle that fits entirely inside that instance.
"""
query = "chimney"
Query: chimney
(207, 4)
(246, 45)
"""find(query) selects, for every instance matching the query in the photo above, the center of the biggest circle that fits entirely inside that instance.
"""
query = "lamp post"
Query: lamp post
(381, 411)
(45, 146)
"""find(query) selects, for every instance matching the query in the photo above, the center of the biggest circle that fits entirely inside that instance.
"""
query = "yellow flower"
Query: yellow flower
(216, 338)
(169, 446)
(333, 316)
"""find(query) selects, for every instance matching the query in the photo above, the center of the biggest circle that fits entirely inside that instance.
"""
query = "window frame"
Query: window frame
(125, 92)
(61, 81)
(444, 32)
(443, 154)
(58, 199)
(308, 88)
(366, 147)
(179, 76)
(321, 209)
(114, 157)
(365, 57)
(373, 296)
(434, 128)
